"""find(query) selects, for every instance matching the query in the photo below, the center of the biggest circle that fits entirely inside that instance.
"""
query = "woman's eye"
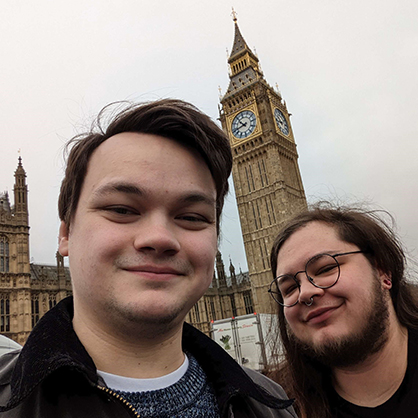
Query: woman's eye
(289, 290)
(287, 285)
(326, 269)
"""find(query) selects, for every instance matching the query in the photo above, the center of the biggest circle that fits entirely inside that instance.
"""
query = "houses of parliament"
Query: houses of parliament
(268, 190)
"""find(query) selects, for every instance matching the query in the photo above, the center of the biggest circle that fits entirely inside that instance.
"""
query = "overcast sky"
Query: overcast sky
(347, 70)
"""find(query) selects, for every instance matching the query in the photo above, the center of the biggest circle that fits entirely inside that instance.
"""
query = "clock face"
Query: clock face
(244, 124)
(281, 121)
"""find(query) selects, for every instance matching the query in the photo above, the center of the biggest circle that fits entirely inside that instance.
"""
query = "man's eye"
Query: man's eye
(193, 218)
(194, 221)
(120, 210)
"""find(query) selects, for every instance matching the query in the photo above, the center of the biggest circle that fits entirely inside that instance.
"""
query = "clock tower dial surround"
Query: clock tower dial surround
(267, 180)
(244, 124)
(281, 121)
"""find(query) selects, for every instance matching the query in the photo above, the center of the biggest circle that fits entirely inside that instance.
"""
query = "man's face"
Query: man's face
(351, 313)
(143, 239)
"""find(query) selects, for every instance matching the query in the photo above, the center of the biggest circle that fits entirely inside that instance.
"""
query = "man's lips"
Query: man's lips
(320, 314)
(154, 271)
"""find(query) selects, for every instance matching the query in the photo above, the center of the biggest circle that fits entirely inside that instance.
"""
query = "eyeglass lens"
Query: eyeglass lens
(323, 271)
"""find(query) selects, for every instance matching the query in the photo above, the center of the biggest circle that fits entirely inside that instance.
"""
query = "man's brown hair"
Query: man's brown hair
(302, 377)
(169, 118)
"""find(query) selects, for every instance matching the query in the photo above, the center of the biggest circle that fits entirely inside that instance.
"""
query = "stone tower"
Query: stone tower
(27, 291)
(267, 181)
(15, 298)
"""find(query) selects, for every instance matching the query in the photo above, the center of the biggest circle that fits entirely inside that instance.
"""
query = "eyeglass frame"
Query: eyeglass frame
(294, 276)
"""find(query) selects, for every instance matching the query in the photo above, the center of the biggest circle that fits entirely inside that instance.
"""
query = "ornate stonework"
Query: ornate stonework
(27, 290)
(267, 181)
(227, 297)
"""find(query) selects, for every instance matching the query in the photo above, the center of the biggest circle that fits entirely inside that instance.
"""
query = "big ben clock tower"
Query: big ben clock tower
(268, 185)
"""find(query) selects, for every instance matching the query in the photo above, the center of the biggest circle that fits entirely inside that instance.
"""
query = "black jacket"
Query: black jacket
(54, 377)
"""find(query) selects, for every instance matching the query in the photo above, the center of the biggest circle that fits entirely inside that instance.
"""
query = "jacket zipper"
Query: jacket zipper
(121, 399)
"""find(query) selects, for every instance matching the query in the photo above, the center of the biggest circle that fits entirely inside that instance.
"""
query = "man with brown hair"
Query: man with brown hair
(140, 208)
(348, 318)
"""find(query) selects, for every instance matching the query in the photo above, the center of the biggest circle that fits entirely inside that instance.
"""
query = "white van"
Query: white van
(7, 345)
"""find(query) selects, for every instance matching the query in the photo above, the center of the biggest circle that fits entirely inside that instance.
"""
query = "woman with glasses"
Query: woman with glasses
(348, 319)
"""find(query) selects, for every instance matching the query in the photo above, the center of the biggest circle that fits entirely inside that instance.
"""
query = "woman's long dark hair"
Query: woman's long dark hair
(303, 378)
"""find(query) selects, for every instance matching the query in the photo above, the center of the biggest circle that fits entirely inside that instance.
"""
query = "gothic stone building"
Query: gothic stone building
(267, 181)
(268, 184)
(268, 188)
(227, 297)
(27, 290)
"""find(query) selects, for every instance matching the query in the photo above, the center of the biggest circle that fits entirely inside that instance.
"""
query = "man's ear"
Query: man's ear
(63, 239)
(385, 279)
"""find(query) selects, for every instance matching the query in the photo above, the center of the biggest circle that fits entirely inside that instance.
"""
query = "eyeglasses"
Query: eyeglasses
(322, 270)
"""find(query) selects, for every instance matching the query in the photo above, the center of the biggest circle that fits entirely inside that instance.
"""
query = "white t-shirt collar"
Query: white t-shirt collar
(130, 384)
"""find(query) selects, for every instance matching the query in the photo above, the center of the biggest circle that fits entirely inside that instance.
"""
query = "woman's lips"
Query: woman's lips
(320, 314)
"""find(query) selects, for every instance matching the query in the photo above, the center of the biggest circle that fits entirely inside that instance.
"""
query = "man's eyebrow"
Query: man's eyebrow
(120, 188)
(128, 188)
(198, 198)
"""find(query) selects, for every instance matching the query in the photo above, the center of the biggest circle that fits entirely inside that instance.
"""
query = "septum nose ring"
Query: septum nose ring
(310, 302)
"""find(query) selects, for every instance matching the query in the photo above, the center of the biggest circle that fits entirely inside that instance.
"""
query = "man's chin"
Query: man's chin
(156, 317)
(159, 318)
(351, 349)
(333, 352)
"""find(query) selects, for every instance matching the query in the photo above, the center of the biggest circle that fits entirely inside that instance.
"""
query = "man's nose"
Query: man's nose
(307, 289)
(158, 234)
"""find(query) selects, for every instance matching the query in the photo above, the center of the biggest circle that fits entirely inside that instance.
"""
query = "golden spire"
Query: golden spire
(234, 15)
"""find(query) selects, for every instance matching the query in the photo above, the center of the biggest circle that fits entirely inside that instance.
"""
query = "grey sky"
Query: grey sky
(347, 70)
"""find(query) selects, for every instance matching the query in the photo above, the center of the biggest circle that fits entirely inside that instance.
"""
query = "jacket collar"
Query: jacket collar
(227, 377)
(53, 345)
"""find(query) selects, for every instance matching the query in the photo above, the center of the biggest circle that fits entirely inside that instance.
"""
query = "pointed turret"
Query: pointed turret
(5, 202)
(214, 281)
(239, 46)
(243, 63)
(220, 269)
(21, 194)
(60, 266)
(232, 273)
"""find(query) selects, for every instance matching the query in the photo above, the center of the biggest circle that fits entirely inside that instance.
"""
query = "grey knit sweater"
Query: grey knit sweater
(190, 397)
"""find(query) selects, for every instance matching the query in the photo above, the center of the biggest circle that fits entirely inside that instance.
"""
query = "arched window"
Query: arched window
(212, 308)
(248, 302)
(196, 313)
(4, 254)
(4, 313)
(52, 301)
(35, 309)
(233, 305)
